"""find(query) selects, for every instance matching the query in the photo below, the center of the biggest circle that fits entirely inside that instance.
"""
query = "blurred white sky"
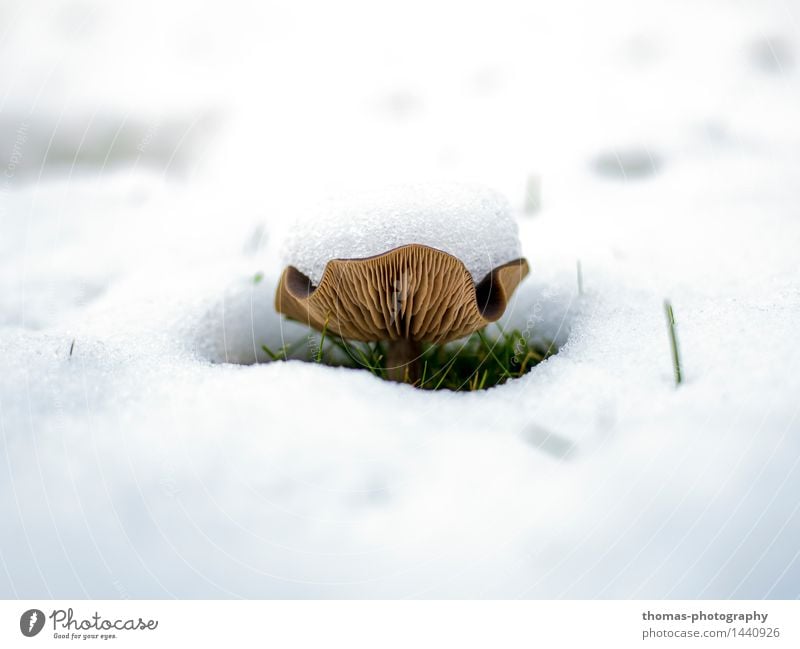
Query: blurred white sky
(277, 100)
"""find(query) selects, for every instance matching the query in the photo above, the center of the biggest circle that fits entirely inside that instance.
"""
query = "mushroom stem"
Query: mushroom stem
(402, 360)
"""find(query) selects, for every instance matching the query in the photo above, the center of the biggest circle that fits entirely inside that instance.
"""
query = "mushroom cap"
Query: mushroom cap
(413, 292)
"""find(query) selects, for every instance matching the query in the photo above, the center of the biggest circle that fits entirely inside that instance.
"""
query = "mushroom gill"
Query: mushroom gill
(406, 296)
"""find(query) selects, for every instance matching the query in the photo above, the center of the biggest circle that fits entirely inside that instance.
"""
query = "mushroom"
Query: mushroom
(413, 292)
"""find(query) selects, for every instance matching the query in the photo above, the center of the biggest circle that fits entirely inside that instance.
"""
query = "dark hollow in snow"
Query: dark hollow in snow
(478, 362)
(772, 55)
(627, 164)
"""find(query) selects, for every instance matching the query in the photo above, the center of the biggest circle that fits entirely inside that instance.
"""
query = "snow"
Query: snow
(155, 458)
(470, 222)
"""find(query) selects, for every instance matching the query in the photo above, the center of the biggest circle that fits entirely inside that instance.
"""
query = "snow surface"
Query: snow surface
(143, 453)
(470, 222)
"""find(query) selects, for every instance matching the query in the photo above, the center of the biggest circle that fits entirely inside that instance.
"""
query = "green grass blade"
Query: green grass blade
(503, 368)
(673, 341)
(322, 340)
(270, 353)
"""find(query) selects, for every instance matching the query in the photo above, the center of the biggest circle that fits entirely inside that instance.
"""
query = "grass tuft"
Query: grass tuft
(475, 363)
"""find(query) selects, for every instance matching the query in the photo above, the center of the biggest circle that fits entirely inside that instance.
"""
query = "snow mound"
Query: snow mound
(241, 320)
(470, 222)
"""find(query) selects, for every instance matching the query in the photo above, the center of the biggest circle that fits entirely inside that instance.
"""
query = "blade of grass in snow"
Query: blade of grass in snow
(673, 341)
(271, 354)
(490, 349)
(447, 369)
(283, 352)
(322, 340)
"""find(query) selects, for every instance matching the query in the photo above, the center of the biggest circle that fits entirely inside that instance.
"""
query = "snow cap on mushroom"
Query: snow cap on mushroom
(471, 222)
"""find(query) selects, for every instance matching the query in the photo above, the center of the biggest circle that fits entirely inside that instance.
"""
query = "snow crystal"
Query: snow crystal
(470, 222)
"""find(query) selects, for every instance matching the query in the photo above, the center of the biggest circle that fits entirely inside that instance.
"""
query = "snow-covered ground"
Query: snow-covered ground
(155, 155)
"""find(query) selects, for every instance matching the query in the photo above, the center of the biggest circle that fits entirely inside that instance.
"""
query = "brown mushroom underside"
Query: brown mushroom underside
(414, 293)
